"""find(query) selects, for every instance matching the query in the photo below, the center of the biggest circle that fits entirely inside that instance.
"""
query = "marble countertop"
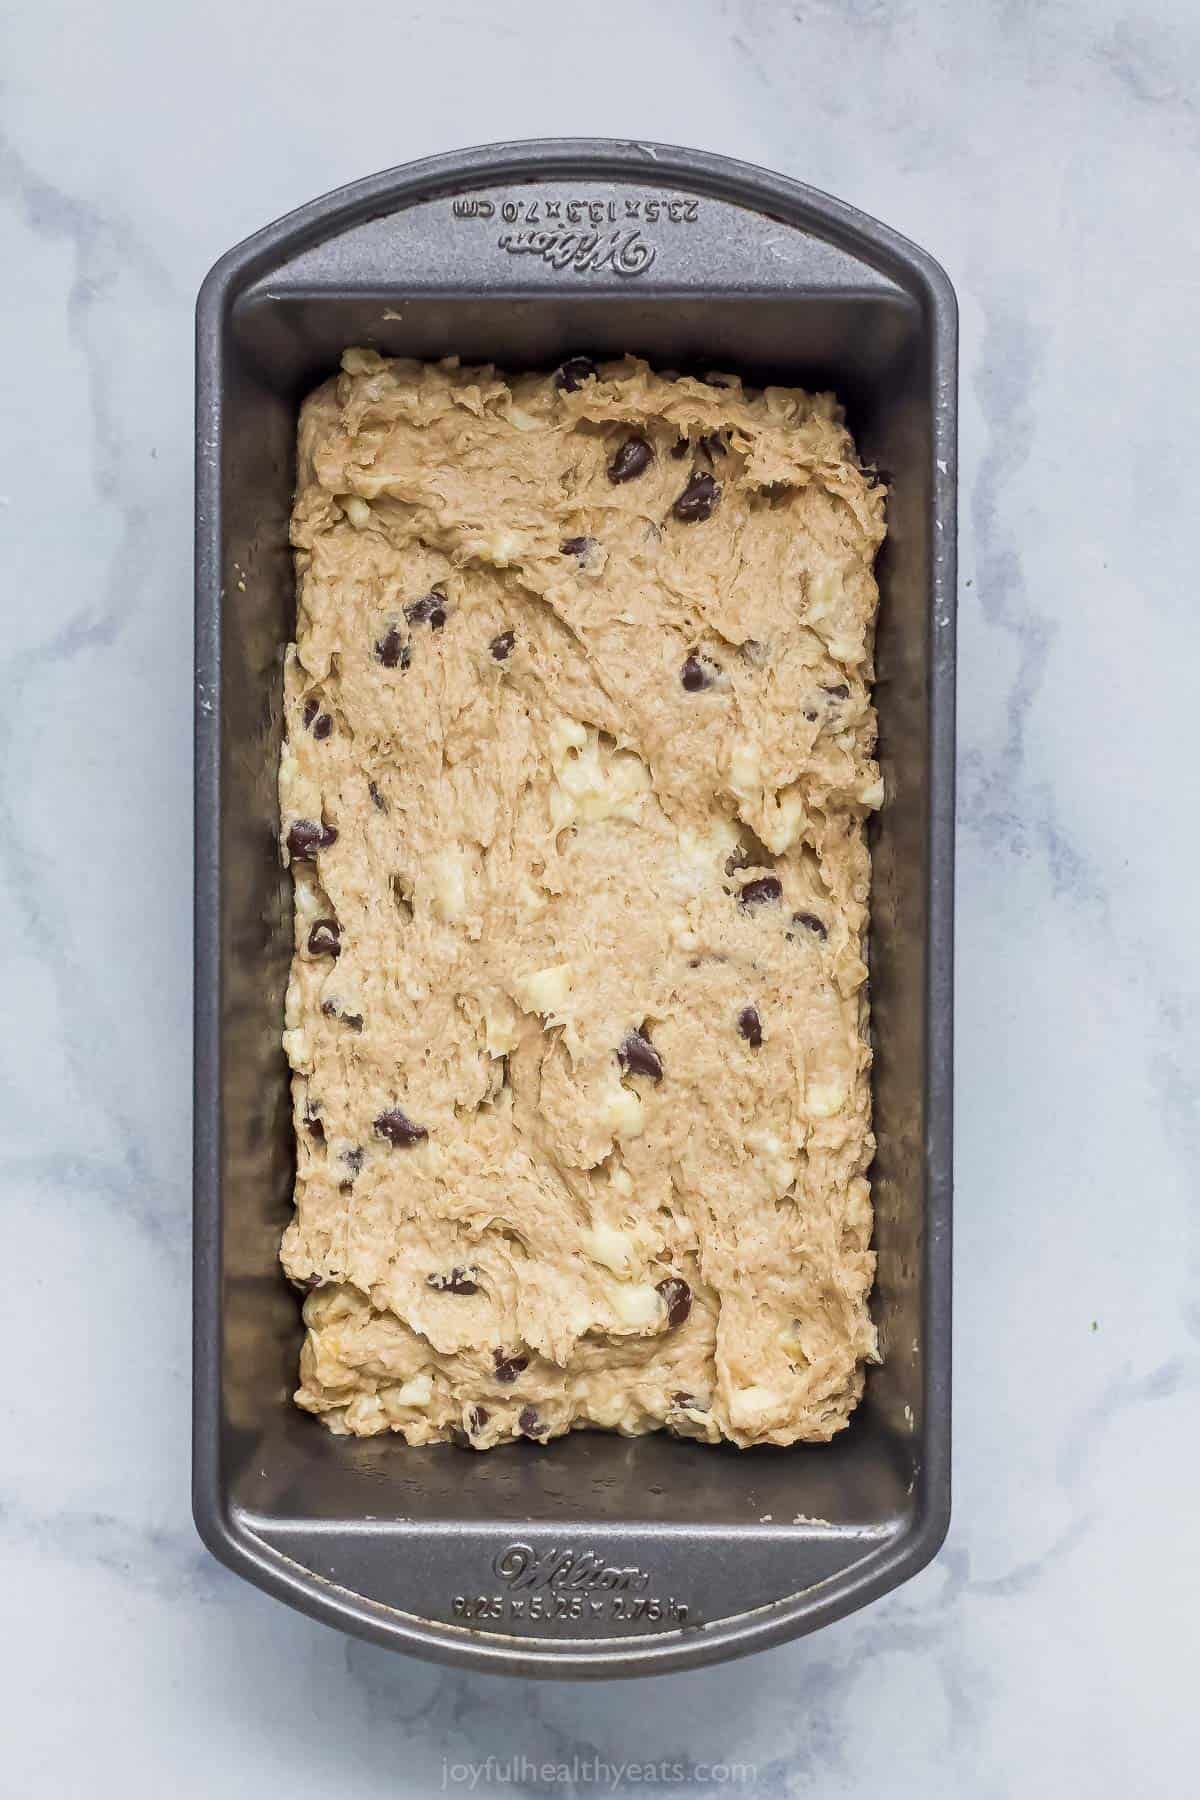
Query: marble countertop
(1045, 155)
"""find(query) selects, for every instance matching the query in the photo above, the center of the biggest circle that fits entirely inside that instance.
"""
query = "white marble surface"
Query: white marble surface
(1048, 155)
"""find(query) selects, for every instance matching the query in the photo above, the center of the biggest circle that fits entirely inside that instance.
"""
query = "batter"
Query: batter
(579, 755)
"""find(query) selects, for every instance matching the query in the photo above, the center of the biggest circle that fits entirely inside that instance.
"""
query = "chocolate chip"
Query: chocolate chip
(333, 1010)
(750, 1026)
(528, 1423)
(810, 922)
(578, 547)
(696, 674)
(632, 459)
(699, 498)
(307, 1284)
(677, 1298)
(314, 1124)
(810, 716)
(325, 938)
(764, 890)
(638, 1056)
(839, 691)
(501, 647)
(574, 372)
(458, 1437)
(429, 610)
(399, 1129)
(306, 837)
(319, 723)
(394, 650)
(477, 1418)
(376, 796)
(458, 1281)
(508, 1367)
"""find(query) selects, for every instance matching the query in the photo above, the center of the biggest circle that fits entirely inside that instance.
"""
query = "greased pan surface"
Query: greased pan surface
(597, 1555)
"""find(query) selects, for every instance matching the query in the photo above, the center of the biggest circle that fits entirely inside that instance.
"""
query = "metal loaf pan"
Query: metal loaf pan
(598, 1554)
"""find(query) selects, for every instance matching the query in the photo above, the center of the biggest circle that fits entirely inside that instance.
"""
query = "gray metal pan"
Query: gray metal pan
(597, 1555)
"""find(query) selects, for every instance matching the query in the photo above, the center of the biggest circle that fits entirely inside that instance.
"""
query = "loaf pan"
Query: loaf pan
(596, 1555)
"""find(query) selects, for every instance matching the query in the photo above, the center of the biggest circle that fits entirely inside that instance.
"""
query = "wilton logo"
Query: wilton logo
(621, 231)
(524, 1569)
(624, 252)
(567, 1586)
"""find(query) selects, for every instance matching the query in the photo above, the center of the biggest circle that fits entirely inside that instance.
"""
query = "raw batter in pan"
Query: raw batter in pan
(579, 757)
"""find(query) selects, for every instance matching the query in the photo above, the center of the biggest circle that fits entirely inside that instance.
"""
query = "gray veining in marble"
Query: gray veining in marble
(1048, 155)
